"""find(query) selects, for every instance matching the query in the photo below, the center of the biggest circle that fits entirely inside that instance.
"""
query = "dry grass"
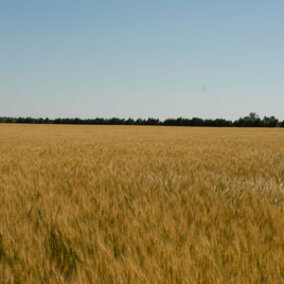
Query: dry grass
(121, 204)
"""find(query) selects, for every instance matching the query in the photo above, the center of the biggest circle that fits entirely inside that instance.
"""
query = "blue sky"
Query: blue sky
(134, 58)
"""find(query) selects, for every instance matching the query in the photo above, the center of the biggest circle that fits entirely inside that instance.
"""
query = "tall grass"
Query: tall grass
(126, 204)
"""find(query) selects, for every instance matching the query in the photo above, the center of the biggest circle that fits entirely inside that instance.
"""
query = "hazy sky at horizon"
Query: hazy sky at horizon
(141, 58)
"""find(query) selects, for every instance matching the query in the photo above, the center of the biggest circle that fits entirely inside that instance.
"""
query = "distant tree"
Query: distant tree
(270, 121)
(138, 121)
(253, 116)
(129, 121)
(152, 121)
(252, 120)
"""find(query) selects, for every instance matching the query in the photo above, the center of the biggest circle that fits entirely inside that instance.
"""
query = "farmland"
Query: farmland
(126, 204)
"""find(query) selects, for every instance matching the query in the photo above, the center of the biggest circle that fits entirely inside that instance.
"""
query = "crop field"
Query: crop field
(141, 204)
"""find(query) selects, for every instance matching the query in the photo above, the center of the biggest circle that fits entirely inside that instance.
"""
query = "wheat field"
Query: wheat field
(141, 204)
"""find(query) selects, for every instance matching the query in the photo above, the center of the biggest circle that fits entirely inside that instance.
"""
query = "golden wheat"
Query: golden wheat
(135, 204)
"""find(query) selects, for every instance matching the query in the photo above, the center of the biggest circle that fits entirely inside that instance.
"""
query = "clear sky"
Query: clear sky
(158, 58)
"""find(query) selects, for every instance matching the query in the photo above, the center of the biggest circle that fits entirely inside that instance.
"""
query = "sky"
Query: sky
(158, 58)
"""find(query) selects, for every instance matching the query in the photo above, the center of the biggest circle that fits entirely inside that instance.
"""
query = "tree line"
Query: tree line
(252, 120)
